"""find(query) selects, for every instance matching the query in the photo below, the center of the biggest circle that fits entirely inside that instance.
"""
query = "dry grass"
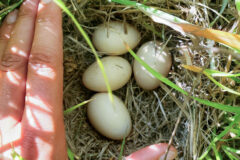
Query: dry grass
(154, 113)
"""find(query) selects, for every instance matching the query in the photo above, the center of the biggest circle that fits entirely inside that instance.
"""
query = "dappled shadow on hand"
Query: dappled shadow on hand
(29, 127)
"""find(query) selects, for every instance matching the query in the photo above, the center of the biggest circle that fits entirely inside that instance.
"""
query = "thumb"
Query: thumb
(153, 152)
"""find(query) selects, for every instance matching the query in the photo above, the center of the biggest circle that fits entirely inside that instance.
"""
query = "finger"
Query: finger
(6, 29)
(6, 137)
(13, 65)
(153, 152)
(19, 45)
(43, 116)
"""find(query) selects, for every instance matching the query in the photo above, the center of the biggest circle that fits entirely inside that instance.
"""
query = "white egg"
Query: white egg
(111, 119)
(156, 57)
(110, 37)
(118, 71)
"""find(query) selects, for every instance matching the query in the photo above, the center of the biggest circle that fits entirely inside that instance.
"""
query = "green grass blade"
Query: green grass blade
(85, 36)
(216, 73)
(221, 86)
(217, 154)
(230, 149)
(8, 9)
(224, 5)
(122, 148)
(208, 157)
(156, 74)
(70, 154)
(222, 107)
(236, 119)
(125, 2)
(229, 154)
(69, 110)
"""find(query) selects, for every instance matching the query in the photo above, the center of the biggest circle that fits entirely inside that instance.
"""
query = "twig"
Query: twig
(173, 134)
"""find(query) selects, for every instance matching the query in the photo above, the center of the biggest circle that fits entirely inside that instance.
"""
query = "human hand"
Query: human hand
(154, 152)
(31, 77)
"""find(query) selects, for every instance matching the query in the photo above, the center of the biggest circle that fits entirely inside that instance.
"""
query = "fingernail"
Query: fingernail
(46, 1)
(171, 155)
(12, 17)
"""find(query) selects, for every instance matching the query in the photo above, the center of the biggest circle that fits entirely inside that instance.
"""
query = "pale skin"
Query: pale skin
(31, 78)
(31, 85)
